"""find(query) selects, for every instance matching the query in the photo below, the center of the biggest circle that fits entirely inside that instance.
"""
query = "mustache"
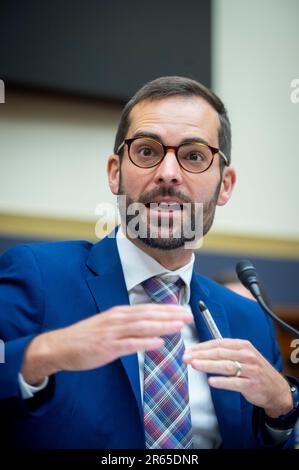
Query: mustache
(146, 198)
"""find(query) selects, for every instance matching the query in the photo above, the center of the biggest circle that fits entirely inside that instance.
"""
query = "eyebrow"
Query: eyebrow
(152, 135)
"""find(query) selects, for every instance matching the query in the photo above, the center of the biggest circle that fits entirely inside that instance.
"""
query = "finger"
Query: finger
(133, 345)
(222, 367)
(120, 316)
(235, 384)
(227, 343)
(148, 329)
(216, 354)
(184, 316)
(149, 307)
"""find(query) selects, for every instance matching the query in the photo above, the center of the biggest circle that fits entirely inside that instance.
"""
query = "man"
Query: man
(105, 346)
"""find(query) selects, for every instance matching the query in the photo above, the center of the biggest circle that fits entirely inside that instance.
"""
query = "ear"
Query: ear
(113, 171)
(227, 185)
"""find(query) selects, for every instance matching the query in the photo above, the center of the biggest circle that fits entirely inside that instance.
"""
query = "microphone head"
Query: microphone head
(246, 273)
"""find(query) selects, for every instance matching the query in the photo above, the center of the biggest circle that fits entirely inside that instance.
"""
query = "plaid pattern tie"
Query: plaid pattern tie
(167, 419)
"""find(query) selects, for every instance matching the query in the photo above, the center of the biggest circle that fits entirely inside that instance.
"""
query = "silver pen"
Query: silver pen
(209, 320)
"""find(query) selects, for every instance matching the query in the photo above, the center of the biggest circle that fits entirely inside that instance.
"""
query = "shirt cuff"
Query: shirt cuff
(278, 435)
(28, 391)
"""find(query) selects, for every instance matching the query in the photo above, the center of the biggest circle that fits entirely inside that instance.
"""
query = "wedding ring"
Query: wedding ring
(238, 369)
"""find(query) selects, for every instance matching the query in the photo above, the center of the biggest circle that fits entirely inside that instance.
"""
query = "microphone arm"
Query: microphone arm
(282, 323)
(248, 277)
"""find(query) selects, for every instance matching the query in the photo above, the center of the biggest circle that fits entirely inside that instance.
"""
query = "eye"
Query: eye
(145, 151)
(195, 156)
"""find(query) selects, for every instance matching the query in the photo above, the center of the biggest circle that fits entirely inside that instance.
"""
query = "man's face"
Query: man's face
(171, 120)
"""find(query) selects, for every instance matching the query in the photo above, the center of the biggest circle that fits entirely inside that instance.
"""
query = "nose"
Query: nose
(169, 170)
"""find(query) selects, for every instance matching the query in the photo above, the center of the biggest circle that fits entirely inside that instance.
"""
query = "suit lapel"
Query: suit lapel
(227, 404)
(109, 289)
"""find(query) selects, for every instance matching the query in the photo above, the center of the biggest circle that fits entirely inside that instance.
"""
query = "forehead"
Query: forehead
(175, 118)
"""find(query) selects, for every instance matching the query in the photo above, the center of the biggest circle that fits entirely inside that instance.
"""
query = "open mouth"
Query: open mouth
(164, 206)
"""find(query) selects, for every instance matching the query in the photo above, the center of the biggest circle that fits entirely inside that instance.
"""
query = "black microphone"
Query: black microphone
(247, 274)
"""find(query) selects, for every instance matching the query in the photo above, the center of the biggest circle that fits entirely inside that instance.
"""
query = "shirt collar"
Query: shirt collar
(138, 266)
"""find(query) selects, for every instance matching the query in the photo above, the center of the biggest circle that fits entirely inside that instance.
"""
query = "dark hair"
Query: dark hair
(165, 87)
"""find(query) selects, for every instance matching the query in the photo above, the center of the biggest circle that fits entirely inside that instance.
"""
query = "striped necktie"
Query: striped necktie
(167, 419)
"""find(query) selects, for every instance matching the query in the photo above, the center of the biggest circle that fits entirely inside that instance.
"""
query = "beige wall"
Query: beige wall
(256, 56)
(53, 155)
(53, 151)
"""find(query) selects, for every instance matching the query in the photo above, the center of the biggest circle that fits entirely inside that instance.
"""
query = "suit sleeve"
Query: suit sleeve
(21, 313)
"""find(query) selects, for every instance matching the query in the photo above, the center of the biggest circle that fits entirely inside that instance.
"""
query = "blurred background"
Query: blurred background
(69, 66)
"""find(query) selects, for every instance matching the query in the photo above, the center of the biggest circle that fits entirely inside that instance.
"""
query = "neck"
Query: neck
(170, 259)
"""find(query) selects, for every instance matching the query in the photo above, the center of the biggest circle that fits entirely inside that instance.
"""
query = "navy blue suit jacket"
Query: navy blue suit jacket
(52, 285)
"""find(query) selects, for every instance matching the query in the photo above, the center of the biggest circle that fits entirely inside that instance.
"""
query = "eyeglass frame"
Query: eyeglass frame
(166, 148)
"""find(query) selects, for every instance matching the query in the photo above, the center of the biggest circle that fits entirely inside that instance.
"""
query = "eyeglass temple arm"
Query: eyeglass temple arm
(120, 147)
(224, 157)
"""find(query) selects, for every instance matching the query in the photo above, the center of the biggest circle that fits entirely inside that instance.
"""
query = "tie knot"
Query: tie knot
(162, 291)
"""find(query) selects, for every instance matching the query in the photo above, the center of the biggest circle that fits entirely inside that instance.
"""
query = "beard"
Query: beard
(167, 233)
